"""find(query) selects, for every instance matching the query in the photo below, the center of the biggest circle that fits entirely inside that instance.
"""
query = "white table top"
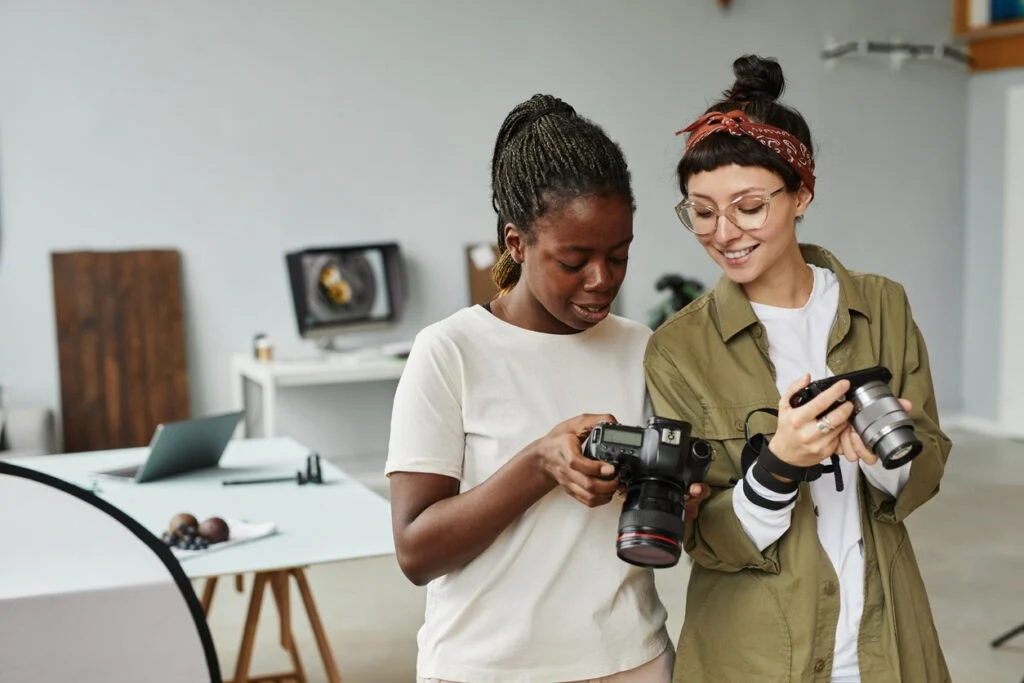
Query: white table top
(338, 520)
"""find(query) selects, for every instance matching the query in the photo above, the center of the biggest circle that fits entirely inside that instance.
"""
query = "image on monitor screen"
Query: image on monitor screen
(342, 289)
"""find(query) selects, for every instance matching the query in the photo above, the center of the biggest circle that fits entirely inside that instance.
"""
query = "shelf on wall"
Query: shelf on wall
(1000, 29)
(999, 45)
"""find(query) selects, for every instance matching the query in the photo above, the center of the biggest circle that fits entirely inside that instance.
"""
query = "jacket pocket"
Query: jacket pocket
(723, 425)
(917, 640)
(735, 629)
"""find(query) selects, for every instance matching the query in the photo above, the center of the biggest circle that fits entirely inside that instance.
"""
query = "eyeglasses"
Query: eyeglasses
(749, 212)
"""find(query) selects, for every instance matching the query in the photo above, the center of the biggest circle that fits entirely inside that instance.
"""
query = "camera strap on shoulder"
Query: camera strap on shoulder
(755, 450)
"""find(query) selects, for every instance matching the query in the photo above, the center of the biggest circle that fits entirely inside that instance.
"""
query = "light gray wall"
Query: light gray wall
(983, 239)
(235, 131)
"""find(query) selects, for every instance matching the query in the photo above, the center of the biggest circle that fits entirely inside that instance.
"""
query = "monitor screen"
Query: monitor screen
(346, 288)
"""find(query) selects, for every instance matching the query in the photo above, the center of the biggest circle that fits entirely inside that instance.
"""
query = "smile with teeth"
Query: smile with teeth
(737, 253)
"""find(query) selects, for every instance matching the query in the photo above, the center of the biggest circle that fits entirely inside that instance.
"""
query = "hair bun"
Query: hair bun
(542, 105)
(523, 116)
(757, 78)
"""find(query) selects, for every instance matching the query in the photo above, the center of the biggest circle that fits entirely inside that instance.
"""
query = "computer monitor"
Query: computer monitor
(337, 290)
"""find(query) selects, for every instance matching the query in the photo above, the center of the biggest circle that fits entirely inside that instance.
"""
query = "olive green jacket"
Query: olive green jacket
(771, 616)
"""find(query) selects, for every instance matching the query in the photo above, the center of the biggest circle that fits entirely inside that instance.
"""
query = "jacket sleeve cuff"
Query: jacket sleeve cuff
(887, 481)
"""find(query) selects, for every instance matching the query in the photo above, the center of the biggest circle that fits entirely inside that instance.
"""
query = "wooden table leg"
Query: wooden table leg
(207, 600)
(333, 675)
(280, 587)
(249, 631)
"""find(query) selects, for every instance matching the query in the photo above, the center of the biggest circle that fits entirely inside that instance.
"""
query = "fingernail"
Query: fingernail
(607, 469)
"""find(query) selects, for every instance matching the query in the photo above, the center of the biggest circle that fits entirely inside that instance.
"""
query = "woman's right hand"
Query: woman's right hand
(802, 439)
(561, 459)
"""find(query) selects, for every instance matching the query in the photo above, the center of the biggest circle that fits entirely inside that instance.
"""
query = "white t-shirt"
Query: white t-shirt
(798, 344)
(549, 600)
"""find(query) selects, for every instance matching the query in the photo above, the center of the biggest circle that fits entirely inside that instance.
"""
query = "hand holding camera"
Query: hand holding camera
(809, 430)
(879, 420)
(590, 482)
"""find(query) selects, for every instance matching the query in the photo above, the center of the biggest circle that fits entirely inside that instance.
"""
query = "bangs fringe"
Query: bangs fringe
(723, 149)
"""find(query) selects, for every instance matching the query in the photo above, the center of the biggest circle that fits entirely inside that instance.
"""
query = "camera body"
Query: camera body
(656, 463)
(877, 416)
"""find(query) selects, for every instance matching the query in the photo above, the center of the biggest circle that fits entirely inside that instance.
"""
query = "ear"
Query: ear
(515, 242)
(803, 200)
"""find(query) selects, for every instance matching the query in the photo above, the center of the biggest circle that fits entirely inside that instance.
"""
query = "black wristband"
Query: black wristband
(765, 479)
(767, 503)
(770, 462)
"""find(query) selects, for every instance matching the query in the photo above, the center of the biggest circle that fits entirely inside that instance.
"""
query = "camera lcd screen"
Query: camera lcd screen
(622, 436)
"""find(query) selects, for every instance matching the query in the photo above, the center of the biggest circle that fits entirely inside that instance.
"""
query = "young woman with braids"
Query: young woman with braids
(796, 576)
(494, 506)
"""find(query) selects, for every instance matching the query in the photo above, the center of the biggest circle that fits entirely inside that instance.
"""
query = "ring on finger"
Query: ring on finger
(824, 425)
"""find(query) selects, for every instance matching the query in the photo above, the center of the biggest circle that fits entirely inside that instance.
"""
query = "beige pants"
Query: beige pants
(658, 670)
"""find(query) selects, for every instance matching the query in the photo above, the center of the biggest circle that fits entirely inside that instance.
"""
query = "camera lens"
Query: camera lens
(651, 524)
(883, 425)
(900, 446)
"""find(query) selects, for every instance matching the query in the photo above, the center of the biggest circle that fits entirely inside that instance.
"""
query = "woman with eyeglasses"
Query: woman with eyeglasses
(803, 568)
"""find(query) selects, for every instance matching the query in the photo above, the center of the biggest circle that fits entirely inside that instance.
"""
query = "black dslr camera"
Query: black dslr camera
(878, 417)
(657, 464)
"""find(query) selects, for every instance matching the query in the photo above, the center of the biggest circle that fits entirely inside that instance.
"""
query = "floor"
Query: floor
(968, 539)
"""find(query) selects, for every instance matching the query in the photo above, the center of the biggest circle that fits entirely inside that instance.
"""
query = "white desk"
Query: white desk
(83, 599)
(277, 374)
(316, 522)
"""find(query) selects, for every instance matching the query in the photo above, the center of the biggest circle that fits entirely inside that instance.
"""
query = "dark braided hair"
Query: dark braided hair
(759, 84)
(545, 156)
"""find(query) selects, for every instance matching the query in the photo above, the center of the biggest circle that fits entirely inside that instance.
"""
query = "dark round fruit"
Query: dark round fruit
(182, 521)
(214, 530)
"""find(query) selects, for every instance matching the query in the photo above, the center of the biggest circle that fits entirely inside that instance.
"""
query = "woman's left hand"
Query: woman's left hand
(699, 492)
(853, 448)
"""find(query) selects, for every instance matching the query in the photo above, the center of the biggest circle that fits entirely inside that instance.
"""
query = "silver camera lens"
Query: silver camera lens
(883, 425)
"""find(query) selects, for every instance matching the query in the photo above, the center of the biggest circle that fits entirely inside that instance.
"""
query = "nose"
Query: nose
(725, 230)
(599, 277)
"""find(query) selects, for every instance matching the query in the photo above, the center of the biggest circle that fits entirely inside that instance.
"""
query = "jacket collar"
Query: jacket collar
(733, 310)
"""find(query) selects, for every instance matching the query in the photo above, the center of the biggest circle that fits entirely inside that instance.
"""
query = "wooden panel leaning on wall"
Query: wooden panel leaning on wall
(121, 346)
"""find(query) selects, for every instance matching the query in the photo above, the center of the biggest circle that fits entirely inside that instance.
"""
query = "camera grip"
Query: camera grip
(587, 449)
(856, 378)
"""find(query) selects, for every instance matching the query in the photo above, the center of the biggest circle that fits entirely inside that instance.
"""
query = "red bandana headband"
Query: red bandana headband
(779, 141)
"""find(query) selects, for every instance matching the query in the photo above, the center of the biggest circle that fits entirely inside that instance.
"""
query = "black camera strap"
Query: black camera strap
(756, 451)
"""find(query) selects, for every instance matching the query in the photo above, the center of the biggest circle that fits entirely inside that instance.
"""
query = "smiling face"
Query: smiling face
(572, 266)
(752, 258)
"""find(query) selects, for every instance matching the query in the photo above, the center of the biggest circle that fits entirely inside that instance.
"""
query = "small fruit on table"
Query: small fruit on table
(214, 530)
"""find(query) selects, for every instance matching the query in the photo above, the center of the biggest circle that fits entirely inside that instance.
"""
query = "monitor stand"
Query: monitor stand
(334, 352)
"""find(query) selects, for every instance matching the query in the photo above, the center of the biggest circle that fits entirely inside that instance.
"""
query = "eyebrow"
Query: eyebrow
(587, 250)
(746, 190)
